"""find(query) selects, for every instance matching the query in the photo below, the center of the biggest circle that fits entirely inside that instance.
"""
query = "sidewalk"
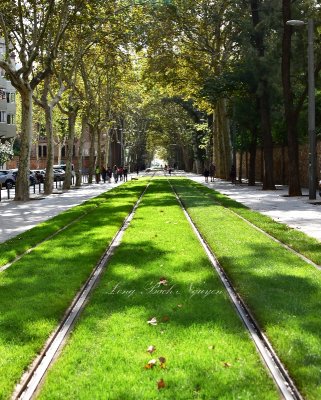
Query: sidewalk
(296, 212)
(17, 217)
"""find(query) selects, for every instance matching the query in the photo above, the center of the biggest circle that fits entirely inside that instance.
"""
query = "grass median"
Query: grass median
(19, 244)
(295, 239)
(159, 325)
(283, 291)
(38, 288)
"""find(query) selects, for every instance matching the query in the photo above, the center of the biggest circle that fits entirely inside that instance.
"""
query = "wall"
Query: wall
(280, 155)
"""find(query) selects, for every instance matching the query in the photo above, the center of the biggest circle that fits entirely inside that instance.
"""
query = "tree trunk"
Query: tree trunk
(50, 151)
(252, 169)
(79, 158)
(268, 176)
(263, 99)
(22, 182)
(290, 116)
(91, 154)
(221, 140)
(70, 147)
(241, 166)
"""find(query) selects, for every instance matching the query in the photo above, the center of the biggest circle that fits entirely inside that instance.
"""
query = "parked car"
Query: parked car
(7, 178)
(59, 174)
(63, 167)
(32, 177)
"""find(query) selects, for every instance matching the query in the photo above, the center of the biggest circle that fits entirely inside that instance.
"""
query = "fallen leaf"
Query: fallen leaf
(152, 321)
(227, 364)
(162, 365)
(165, 318)
(179, 305)
(161, 384)
(211, 347)
(163, 281)
(151, 364)
(162, 360)
(151, 349)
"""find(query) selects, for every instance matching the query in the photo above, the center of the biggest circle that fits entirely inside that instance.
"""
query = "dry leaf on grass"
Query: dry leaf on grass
(151, 349)
(161, 384)
(165, 318)
(152, 321)
(163, 281)
(151, 364)
(227, 364)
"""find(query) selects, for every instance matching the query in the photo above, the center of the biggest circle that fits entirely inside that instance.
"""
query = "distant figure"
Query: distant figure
(97, 174)
(212, 172)
(170, 170)
(125, 173)
(206, 174)
(115, 173)
(109, 174)
(233, 174)
(104, 174)
(137, 170)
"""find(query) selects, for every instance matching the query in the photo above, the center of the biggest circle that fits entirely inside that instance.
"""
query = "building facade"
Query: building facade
(7, 103)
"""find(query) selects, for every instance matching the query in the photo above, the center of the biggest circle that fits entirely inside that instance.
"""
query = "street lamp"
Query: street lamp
(311, 106)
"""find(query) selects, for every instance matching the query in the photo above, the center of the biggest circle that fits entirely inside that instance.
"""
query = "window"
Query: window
(10, 119)
(11, 97)
(3, 116)
(2, 94)
(42, 150)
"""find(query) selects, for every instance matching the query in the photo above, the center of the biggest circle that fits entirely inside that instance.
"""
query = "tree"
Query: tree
(28, 26)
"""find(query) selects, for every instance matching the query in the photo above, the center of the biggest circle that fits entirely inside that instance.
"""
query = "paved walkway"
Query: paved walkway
(297, 212)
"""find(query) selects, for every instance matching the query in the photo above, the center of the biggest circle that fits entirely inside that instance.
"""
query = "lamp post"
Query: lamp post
(311, 106)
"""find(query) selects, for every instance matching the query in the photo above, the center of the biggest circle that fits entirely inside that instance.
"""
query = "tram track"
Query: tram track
(8, 265)
(32, 379)
(274, 365)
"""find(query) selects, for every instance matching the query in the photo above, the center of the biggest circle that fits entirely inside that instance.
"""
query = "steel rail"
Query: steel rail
(8, 265)
(31, 381)
(281, 377)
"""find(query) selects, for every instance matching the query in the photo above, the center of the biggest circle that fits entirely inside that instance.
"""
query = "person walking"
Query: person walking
(125, 172)
(212, 172)
(233, 174)
(206, 174)
(109, 174)
(97, 174)
(115, 173)
(104, 174)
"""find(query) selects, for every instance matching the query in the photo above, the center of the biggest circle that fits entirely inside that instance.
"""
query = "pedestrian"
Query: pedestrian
(212, 172)
(97, 174)
(206, 174)
(137, 170)
(104, 174)
(120, 172)
(125, 172)
(115, 173)
(170, 170)
(109, 174)
(233, 174)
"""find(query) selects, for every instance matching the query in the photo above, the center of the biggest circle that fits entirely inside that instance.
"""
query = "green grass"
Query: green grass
(208, 352)
(19, 244)
(38, 288)
(299, 241)
(282, 291)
